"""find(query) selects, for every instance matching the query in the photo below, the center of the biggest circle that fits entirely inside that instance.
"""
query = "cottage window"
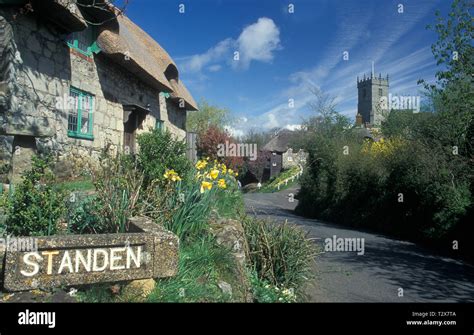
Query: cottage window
(84, 41)
(79, 123)
(160, 125)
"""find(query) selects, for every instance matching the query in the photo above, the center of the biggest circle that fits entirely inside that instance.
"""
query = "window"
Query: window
(380, 92)
(84, 41)
(79, 122)
(160, 125)
(364, 93)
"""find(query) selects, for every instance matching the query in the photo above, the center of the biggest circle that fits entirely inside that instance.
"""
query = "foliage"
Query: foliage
(36, 206)
(76, 185)
(188, 203)
(264, 292)
(119, 184)
(208, 146)
(257, 167)
(84, 217)
(280, 254)
(158, 152)
(208, 116)
(272, 185)
(202, 265)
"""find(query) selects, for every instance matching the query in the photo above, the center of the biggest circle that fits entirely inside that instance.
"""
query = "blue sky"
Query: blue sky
(282, 54)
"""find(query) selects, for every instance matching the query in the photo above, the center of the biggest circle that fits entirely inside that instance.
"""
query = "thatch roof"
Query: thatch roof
(131, 47)
(280, 142)
(121, 40)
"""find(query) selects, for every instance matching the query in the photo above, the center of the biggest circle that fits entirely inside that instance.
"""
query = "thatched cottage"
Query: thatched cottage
(78, 75)
(282, 156)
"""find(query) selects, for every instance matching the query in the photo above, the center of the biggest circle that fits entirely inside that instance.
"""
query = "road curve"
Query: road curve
(377, 276)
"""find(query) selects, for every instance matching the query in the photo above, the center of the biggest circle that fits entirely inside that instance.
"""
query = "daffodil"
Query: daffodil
(214, 174)
(172, 175)
(201, 164)
(221, 184)
(205, 185)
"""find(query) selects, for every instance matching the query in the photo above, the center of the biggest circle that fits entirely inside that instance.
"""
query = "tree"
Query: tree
(452, 93)
(208, 146)
(207, 116)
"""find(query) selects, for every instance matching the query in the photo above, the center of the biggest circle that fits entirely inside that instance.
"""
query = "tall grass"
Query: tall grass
(202, 265)
(280, 254)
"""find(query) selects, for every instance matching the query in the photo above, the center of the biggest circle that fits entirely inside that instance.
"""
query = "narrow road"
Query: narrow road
(386, 266)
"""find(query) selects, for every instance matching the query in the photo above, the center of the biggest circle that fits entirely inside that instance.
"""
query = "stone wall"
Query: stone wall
(291, 158)
(46, 68)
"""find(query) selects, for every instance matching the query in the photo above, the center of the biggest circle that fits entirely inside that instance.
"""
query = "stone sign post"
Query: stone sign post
(147, 251)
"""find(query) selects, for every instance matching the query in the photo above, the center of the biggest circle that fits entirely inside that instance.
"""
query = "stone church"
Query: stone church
(371, 90)
(76, 78)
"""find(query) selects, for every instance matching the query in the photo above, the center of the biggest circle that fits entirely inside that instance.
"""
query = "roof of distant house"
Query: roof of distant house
(280, 142)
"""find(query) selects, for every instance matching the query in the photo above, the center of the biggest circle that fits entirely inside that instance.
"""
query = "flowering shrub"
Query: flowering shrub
(264, 292)
(382, 147)
(216, 174)
(189, 201)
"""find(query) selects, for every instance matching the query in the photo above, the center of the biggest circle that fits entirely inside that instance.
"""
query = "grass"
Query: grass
(229, 203)
(280, 254)
(272, 185)
(202, 265)
(78, 185)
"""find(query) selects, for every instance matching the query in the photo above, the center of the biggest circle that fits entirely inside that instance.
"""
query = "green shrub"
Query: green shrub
(186, 209)
(158, 152)
(264, 292)
(36, 206)
(280, 254)
(84, 217)
(118, 183)
(202, 265)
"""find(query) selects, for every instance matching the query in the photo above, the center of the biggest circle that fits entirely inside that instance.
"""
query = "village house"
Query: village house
(77, 76)
(282, 156)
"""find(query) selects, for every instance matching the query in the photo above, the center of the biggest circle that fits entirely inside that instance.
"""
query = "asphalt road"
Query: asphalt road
(386, 266)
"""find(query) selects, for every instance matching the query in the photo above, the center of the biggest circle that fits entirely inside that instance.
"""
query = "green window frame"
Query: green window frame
(84, 41)
(80, 114)
(160, 125)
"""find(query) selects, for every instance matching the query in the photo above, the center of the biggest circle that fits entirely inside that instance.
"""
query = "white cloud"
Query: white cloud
(256, 42)
(197, 62)
(293, 127)
(215, 68)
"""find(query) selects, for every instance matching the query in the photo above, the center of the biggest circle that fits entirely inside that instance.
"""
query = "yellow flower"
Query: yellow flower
(221, 184)
(231, 172)
(172, 175)
(205, 185)
(224, 169)
(214, 174)
(201, 164)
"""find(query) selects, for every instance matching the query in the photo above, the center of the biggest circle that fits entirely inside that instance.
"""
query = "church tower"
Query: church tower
(371, 90)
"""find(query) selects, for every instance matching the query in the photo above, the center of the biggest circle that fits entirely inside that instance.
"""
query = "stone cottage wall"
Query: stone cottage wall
(291, 158)
(46, 68)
